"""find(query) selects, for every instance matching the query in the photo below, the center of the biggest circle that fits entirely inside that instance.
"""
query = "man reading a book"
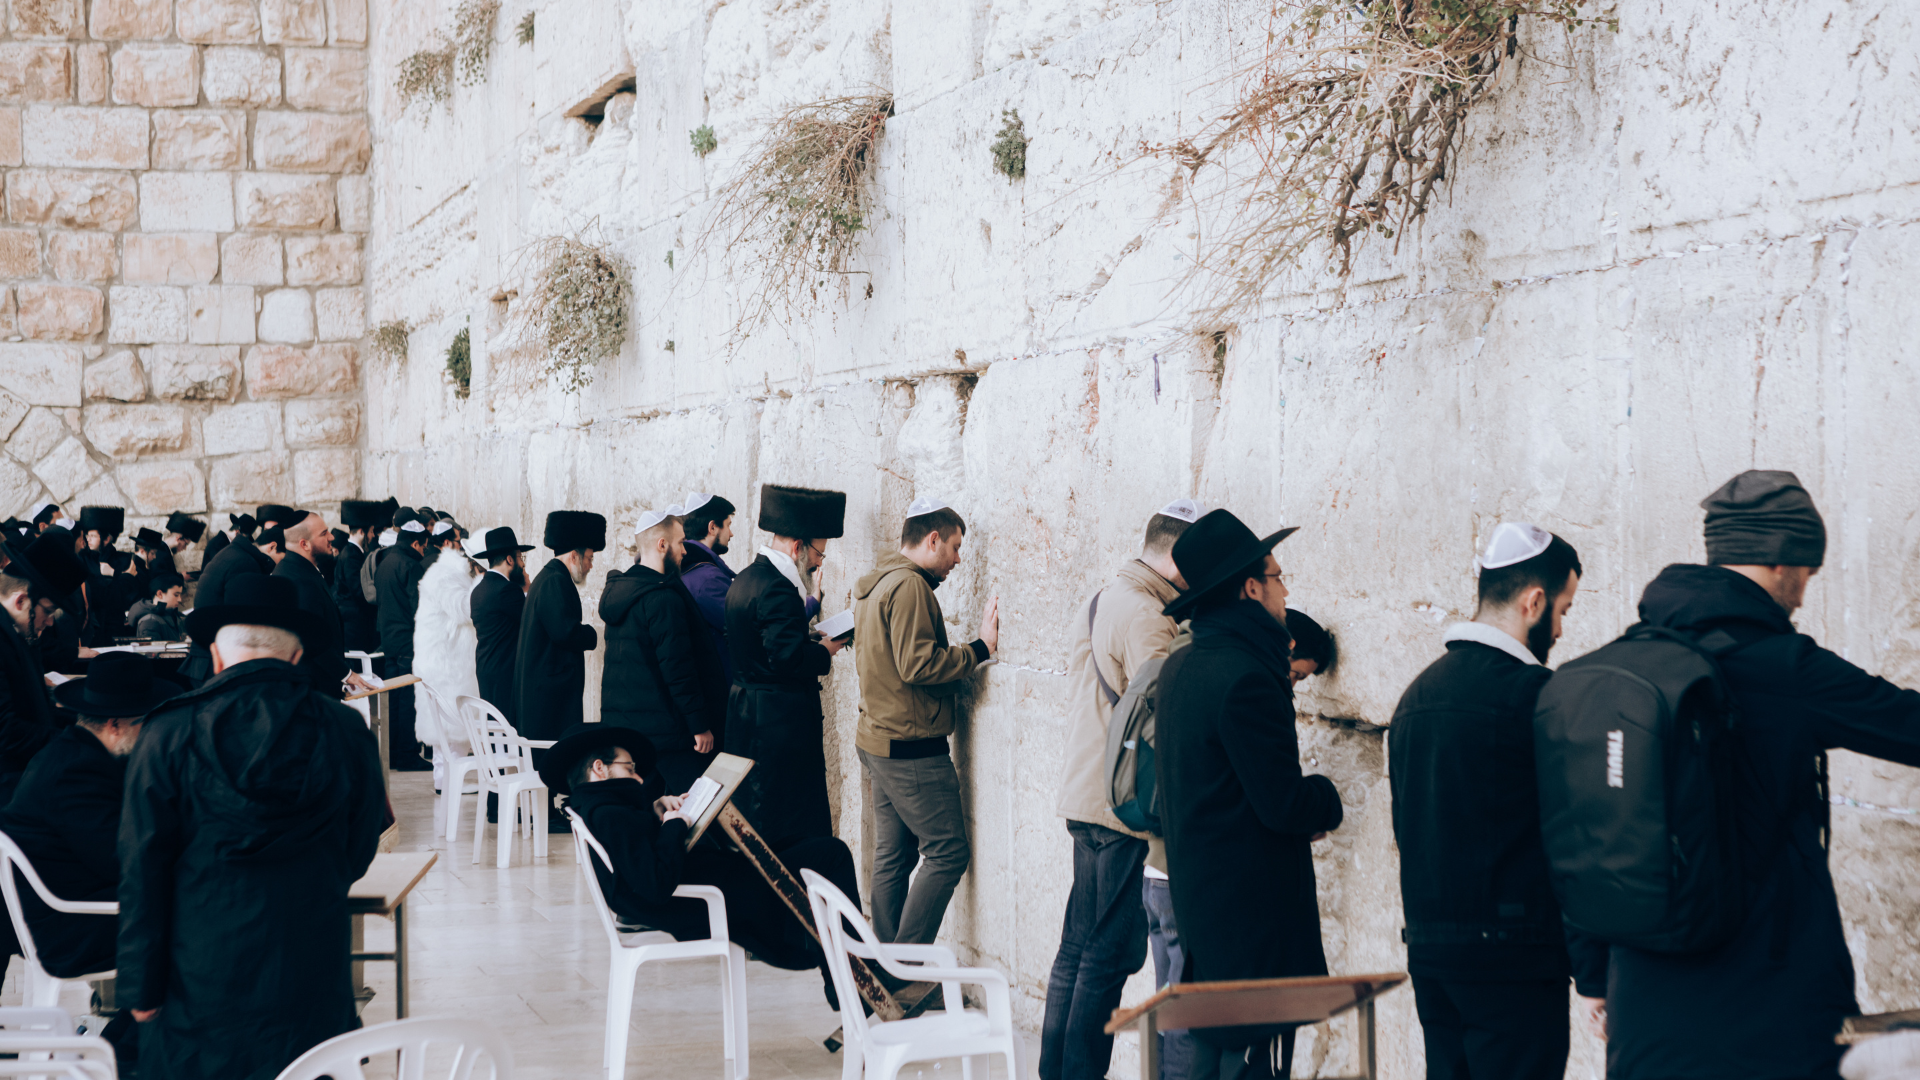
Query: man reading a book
(602, 770)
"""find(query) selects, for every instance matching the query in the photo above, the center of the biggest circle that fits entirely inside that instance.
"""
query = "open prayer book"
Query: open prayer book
(711, 792)
(839, 626)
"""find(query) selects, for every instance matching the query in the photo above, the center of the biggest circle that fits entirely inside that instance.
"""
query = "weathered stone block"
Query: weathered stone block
(82, 256)
(10, 152)
(333, 79)
(322, 423)
(171, 258)
(157, 76)
(194, 372)
(38, 435)
(12, 411)
(117, 378)
(130, 431)
(199, 139)
(35, 73)
(71, 199)
(92, 74)
(17, 485)
(60, 312)
(311, 142)
(279, 371)
(216, 22)
(323, 260)
(356, 203)
(121, 20)
(19, 253)
(251, 478)
(144, 315)
(340, 314)
(220, 315)
(161, 487)
(186, 202)
(347, 22)
(286, 316)
(48, 18)
(241, 77)
(240, 429)
(85, 137)
(293, 22)
(251, 259)
(67, 469)
(325, 475)
(9, 319)
(285, 202)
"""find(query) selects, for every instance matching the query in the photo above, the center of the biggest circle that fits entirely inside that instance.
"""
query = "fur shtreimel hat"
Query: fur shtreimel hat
(108, 519)
(571, 530)
(279, 515)
(802, 513)
(186, 525)
(365, 514)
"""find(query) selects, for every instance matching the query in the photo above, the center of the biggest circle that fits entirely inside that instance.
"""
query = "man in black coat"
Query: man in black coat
(496, 603)
(1767, 1003)
(252, 805)
(397, 580)
(359, 631)
(324, 656)
(550, 669)
(662, 676)
(1238, 814)
(34, 575)
(1484, 939)
(773, 707)
(110, 575)
(241, 556)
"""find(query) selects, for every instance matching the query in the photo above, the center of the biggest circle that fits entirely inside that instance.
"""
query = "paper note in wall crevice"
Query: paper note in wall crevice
(837, 627)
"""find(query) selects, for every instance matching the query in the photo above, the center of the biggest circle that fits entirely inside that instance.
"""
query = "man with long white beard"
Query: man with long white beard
(550, 673)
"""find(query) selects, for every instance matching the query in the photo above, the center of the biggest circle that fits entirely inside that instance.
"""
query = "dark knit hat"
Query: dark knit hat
(802, 513)
(107, 519)
(365, 514)
(186, 525)
(1763, 517)
(571, 530)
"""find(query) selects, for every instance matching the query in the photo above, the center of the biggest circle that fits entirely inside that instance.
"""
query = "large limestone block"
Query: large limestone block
(48, 18)
(17, 486)
(194, 372)
(331, 79)
(37, 434)
(41, 374)
(220, 315)
(240, 429)
(12, 412)
(161, 487)
(157, 76)
(123, 432)
(199, 139)
(217, 22)
(325, 475)
(293, 22)
(251, 259)
(251, 478)
(347, 22)
(116, 378)
(19, 253)
(171, 258)
(186, 202)
(10, 150)
(119, 20)
(311, 142)
(85, 137)
(323, 260)
(286, 316)
(92, 75)
(66, 470)
(340, 314)
(241, 77)
(280, 371)
(356, 203)
(71, 198)
(82, 256)
(268, 201)
(145, 315)
(35, 73)
(60, 312)
(322, 423)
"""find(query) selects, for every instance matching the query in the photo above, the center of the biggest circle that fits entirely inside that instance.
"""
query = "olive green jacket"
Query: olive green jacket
(901, 653)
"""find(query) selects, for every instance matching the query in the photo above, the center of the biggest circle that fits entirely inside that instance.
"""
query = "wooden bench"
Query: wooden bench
(1308, 1000)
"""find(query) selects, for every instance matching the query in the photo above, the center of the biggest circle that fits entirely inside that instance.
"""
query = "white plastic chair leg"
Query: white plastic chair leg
(43, 990)
(505, 832)
(479, 824)
(538, 798)
(736, 985)
(619, 1017)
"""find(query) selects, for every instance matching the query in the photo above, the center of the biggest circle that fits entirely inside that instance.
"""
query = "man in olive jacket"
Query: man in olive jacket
(906, 713)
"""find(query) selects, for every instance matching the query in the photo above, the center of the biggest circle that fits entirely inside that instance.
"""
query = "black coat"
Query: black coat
(252, 805)
(65, 816)
(1238, 813)
(396, 578)
(238, 557)
(357, 614)
(1768, 1003)
(108, 595)
(550, 670)
(773, 709)
(26, 712)
(662, 675)
(323, 658)
(496, 604)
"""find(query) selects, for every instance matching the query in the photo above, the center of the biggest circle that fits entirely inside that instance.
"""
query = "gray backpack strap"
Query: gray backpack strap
(1093, 657)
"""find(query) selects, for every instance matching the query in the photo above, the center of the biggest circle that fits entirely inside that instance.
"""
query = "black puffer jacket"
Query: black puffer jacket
(397, 580)
(662, 675)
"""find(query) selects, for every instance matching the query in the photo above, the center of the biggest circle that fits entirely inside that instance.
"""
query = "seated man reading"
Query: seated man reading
(602, 770)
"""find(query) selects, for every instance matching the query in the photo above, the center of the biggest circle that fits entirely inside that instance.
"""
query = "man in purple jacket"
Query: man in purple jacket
(709, 522)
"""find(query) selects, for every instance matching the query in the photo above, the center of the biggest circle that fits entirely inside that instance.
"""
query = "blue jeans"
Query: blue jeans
(1104, 941)
(1177, 1047)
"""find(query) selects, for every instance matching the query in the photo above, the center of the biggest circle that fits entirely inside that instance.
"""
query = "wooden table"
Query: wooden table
(384, 892)
(1256, 1001)
(377, 709)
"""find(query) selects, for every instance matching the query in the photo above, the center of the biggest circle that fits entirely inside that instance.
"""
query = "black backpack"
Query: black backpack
(1633, 746)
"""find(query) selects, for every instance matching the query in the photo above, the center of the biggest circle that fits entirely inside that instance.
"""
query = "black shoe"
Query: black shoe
(558, 822)
(416, 764)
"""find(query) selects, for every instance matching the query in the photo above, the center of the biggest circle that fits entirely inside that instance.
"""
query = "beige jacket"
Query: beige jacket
(900, 650)
(1127, 631)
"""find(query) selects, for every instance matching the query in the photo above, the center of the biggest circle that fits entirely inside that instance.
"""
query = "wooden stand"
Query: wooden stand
(377, 714)
(1256, 1001)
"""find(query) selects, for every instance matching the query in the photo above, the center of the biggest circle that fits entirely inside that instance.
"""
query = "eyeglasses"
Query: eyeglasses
(628, 762)
(1276, 576)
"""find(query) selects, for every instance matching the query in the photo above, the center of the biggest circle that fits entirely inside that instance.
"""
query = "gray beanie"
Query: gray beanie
(1763, 517)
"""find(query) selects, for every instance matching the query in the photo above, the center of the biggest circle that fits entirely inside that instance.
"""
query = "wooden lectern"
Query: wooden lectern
(1255, 1001)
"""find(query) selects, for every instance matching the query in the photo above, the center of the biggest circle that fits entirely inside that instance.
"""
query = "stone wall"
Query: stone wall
(1667, 254)
(181, 295)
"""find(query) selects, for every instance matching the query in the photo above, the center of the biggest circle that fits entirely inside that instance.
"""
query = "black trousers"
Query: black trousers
(1493, 1030)
(403, 745)
(1262, 1061)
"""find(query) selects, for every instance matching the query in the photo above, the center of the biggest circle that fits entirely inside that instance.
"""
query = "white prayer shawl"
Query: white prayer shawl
(444, 643)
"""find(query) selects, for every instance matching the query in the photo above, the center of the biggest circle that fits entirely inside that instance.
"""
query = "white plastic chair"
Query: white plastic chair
(25, 1019)
(42, 990)
(878, 1050)
(458, 766)
(506, 770)
(478, 1050)
(56, 1057)
(627, 957)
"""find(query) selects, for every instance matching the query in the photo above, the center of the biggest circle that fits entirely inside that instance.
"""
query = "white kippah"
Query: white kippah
(413, 526)
(694, 501)
(442, 526)
(1513, 542)
(389, 538)
(926, 504)
(650, 518)
(66, 522)
(1185, 509)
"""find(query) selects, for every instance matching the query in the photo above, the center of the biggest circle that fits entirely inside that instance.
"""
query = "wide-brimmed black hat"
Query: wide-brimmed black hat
(571, 530)
(279, 515)
(186, 525)
(1213, 550)
(147, 538)
(118, 684)
(107, 519)
(802, 513)
(242, 523)
(254, 600)
(584, 739)
(500, 541)
(365, 514)
(49, 562)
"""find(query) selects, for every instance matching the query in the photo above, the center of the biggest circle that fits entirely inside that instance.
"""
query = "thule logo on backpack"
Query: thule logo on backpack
(1616, 759)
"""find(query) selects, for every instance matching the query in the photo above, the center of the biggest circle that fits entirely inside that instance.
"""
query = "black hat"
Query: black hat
(427, 513)
(279, 515)
(1214, 550)
(340, 537)
(571, 530)
(118, 684)
(275, 535)
(584, 739)
(185, 525)
(254, 600)
(242, 523)
(107, 519)
(500, 541)
(1763, 517)
(49, 562)
(802, 513)
(364, 514)
(147, 538)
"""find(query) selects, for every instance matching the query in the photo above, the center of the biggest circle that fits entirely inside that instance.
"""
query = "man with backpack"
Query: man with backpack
(1484, 940)
(1104, 938)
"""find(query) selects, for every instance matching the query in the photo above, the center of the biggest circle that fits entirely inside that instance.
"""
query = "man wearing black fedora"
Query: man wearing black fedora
(397, 588)
(1238, 814)
(252, 806)
(550, 668)
(37, 575)
(363, 519)
(496, 603)
(109, 575)
(243, 555)
(773, 707)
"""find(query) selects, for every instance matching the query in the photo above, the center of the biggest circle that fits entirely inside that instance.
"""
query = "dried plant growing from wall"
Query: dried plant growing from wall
(793, 216)
(473, 38)
(703, 139)
(1342, 129)
(578, 307)
(460, 363)
(390, 341)
(1010, 148)
(426, 78)
(523, 31)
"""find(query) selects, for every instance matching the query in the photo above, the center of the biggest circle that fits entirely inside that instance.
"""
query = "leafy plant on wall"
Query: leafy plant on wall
(390, 340)
(425, 78)
(578, 307)
(1009, 149)
(460, 363)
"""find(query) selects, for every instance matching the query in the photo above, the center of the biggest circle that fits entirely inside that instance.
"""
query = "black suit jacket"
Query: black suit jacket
(26, 713)
(324, 658)
(396, 579)
(66, 818)
(356, 611)
(496, 604)
(550, 677)
(238, 557)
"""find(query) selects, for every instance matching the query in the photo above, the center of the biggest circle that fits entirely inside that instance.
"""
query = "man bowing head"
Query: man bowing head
(550, 674)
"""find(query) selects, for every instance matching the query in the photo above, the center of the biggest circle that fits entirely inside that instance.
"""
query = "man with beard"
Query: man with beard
(36, 573)
(239, 556)
(709, 530)
(1485, 945)
(324, 659)
(496, 604)
(550, 670)
(398, 583)
(358, 615)
(662, 676)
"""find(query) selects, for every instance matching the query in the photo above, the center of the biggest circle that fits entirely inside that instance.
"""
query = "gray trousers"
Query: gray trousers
(916, 813)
